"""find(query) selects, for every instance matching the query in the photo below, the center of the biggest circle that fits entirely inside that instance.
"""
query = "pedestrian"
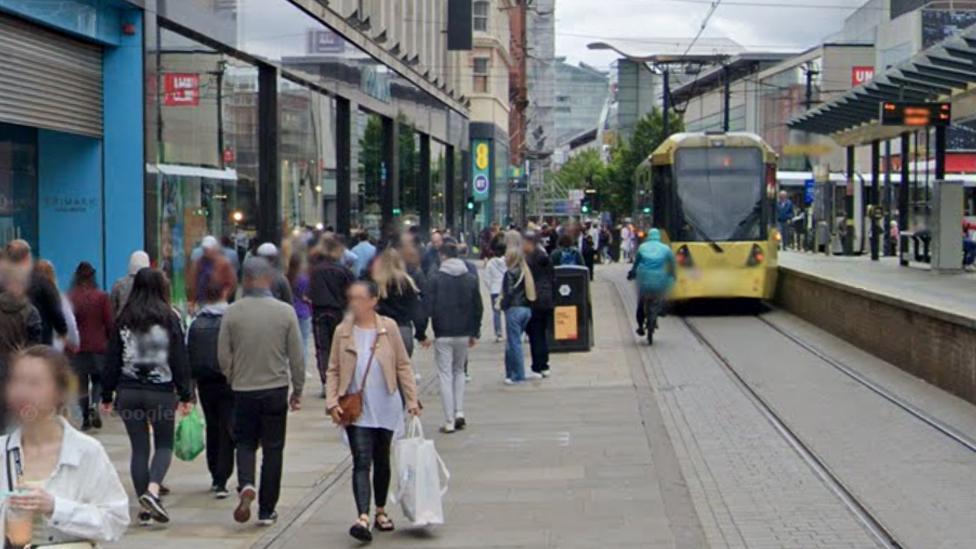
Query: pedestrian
(400, 298)
(365, 251)
(410, 253)
(369, 358)
(280, 288)
(566, 253)
(453, 302)
(63, 487)
(518, 293)
(123, 287)
(216, 396)
(93, 311)
(784, 218)
(20, 323)
(544, 279)
(70, 340)
(260, 354)
(212, 267)
(297, 275)
(589, 255)
(329, 280)
(494, 275)
(146, 372)
(432, 259)
(42, 293)
(626, 242)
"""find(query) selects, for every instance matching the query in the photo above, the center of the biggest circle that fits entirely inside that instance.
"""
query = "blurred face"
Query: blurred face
(361, 304)
(782, 196)
(528, 246)
(437, 239)
(32, 392)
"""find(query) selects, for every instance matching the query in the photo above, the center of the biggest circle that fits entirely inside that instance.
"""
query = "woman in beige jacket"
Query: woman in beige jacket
(368, 355)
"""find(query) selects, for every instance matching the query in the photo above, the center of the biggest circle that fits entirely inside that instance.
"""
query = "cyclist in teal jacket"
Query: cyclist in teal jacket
(654, 271)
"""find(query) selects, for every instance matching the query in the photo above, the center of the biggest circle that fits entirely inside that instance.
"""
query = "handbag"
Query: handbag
(352, 403)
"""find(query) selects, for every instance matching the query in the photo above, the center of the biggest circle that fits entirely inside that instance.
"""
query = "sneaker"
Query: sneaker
(96, 418)
(242, 513)
(508, 381)
(86, 426)
(533, 375)
(448, 427)
(498, 339)
(221, 493)
(460, 423)
(154, 506)
(145, 519)
(545, 374)
(267, 519)
(467, 377)
(640, 331)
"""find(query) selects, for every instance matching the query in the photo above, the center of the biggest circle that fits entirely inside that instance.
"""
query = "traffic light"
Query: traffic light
(586, 205)
(470, 204)
(646, 209)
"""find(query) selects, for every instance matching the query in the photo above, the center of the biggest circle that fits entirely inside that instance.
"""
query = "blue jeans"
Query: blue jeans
(516, 319)
(496, 316)
(305, 327)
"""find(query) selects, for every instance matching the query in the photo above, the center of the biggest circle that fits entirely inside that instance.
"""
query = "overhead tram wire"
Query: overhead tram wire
(711, 10)
(796, 5)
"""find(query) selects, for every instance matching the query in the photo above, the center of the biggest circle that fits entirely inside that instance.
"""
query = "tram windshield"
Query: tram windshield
(719, 194)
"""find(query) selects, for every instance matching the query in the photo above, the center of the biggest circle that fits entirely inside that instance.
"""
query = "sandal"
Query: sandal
(383, 523)
(360, 530)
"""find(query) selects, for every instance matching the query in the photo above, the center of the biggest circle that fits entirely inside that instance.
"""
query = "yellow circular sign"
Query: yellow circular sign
(481, 156)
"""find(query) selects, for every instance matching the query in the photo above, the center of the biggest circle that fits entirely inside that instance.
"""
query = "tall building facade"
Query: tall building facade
(581, 96)
(540, 120)
(261, 119)
(482, 76)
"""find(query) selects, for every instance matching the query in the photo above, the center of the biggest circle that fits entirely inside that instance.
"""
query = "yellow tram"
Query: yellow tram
(713, 196)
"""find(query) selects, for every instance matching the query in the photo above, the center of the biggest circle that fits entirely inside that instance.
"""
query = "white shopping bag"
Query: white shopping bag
(419, 469)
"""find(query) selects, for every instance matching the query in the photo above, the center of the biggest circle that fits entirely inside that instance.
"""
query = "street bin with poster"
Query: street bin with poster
(572, 324)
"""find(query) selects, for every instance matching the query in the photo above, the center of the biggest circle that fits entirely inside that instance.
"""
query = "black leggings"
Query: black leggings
(88, 367)
(140, 408)
(370, 446)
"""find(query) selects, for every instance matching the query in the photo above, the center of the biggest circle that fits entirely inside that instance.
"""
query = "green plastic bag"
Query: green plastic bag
(189, 436)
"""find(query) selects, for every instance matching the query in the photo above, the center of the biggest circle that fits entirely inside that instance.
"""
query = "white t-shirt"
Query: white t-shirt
(381, 409)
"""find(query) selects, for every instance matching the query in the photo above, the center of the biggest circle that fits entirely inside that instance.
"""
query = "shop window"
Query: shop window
(408, 155)
(481, 10)
(367, 144)
(18, 184)
(306, 151)
(438, 179)
(481, 74)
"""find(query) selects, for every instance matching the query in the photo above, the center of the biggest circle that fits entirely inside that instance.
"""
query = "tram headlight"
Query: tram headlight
(684, 257)
(756, 256)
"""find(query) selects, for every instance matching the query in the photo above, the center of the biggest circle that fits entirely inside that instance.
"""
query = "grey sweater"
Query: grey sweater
(260, 346)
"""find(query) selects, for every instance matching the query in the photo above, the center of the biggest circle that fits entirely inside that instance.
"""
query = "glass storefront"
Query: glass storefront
(408, 155)
(438, 185)
(18, 184)
(204, 180)
(306, 151)
(368, 172)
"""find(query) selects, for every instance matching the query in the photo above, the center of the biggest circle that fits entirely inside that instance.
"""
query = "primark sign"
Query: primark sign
(320, 41)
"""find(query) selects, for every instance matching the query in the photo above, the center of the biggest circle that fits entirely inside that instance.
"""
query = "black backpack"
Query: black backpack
(202, 348)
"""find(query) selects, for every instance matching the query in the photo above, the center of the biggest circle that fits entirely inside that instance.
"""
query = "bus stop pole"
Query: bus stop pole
(848, 236)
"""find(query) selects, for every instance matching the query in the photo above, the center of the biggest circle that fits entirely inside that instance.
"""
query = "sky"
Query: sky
(648, 25)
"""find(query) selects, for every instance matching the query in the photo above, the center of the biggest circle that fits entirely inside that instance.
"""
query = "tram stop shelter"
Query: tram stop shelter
(943, 73)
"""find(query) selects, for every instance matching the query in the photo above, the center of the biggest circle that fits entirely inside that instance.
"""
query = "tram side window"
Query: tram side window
(970, 202)
(661, 188)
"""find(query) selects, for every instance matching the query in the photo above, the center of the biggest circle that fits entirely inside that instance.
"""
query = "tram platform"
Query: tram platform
(920, 321)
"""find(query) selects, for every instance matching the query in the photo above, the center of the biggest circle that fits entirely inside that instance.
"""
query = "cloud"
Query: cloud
(646, 25)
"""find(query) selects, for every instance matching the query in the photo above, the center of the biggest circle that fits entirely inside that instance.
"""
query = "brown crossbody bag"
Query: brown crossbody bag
(352, 403)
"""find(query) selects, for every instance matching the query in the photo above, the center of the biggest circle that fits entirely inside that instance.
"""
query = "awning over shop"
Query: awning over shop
(942, 72)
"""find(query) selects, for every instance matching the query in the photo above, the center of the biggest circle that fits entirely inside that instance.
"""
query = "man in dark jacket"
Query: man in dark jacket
(216, 396)
(328, 281)
(453, 303)
(43, 295)
(538, 326)
(20, 325)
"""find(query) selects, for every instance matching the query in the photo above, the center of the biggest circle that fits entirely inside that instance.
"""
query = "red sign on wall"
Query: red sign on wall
(181, 89)
(861, 75)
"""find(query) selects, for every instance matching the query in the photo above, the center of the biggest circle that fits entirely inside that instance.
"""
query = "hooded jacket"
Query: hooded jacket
(20, 324)
(453, 300)
(654, 265)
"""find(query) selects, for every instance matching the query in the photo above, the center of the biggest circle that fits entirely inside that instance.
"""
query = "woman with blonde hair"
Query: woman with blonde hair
(518, 294)
(399, 297)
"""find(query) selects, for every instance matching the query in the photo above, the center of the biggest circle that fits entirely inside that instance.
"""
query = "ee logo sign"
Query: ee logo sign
(481, 156)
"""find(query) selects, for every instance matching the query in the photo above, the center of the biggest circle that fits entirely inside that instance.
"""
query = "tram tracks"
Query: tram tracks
(821, 469)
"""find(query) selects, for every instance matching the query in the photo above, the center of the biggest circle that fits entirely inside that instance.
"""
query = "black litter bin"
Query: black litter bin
(572, 319)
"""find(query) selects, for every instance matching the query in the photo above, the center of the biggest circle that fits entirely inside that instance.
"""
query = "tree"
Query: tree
(583, 170)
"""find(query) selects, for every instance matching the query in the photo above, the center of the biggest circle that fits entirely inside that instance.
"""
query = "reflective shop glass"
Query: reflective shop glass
(307, 153)
(204, 178)
(408, 187)
(368, 173)
(282, 33)
(438, 185)
(18, 184)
